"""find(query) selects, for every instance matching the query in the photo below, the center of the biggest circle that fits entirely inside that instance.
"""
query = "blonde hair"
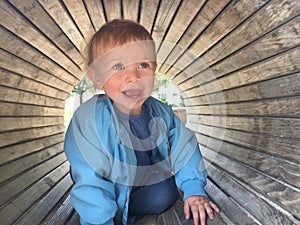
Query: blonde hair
(115, 33)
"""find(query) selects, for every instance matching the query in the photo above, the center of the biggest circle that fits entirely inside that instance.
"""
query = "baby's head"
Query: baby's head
(116, 33)
(122, 60)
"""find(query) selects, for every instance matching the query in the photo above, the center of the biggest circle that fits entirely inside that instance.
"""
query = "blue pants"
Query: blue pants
(153, 199)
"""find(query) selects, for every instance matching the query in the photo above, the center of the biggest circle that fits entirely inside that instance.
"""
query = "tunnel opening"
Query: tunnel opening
(164, 90)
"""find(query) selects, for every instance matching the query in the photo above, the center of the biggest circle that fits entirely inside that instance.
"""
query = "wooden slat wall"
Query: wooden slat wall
(236, 63)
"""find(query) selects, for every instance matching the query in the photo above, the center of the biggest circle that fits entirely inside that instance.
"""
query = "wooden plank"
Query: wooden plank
(59, 204)
(147, 219)
(286, 86)
(277, 127)
(231, 211)
(10, 190)
(62, 215)
(19, 82)
(270, 190)
(282, 170)
(208, 12)
(14, 152)
(21, 27)
(14, 109)
(247, 197)
(288, 107)
(278, 41)
(180, 216)
(182, 19)
(228, 20)
(283, 148)
(170, 217)
(276, 66)
(35, 13)
(15, 137)
(19, 123)
(15, 168)
(166, 11)
(131, 9)
(60, 15)
(38, 211)
(74, 220)
(96, 12)
(19, 96)
(19, 66)
(274, 43)
(21, 49)
(11, 212)
(147, 13)
(112, 9)
(81, 18)
(256, 26)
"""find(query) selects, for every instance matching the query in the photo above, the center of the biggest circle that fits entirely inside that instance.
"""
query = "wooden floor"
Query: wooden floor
(173, 216)
(230, 213)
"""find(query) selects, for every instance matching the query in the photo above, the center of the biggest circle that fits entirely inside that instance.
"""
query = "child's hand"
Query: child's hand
(199, 206)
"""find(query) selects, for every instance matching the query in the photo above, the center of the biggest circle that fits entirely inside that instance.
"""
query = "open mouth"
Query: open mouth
(135, 93)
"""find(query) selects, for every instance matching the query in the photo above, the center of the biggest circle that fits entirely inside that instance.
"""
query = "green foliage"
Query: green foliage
(160, 80)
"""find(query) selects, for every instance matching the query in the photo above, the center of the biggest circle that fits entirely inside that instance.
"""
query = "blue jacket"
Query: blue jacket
(103, 164)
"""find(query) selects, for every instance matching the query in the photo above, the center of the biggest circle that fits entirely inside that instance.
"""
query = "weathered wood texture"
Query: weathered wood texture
(236, 63)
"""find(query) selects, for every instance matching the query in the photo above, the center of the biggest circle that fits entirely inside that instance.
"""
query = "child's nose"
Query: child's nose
(132, 73)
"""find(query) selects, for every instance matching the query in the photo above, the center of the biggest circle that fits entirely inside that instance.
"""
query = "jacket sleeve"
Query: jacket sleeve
(92, 196)
(187, 162)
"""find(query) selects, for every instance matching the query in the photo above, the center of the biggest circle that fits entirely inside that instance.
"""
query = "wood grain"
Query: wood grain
(96, 13)
(19, 66)
(243, 195)
(131, 9)
(112, 9)
(15, 168)
(14, 137)
(269, 189)
(204, 17)
(147, 13)
(166, 11)
(35, 13)
(278, 127)
(27, 199)
(16, 151)
(21, 27)
(175, 32)
(287, 86)
(59, 14)
(38, 211)
(286, 149)
(11, 189)
(81, 18)
(288, 107)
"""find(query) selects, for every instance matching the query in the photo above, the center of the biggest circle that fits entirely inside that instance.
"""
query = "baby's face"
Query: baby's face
(127, 75)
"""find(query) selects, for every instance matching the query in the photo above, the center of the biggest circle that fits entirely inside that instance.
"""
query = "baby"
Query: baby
(129, 153)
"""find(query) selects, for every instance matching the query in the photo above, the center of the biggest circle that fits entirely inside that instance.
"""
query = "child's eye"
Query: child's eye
(118, 66)
(144, 65)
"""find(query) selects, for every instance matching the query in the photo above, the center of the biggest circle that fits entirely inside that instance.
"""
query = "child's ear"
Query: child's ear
(91, 73)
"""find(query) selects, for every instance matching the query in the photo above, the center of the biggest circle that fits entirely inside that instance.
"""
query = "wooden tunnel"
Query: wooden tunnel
(236, 62)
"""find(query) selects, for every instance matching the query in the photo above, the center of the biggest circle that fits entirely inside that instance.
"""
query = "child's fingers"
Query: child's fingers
(202, 214)
(209, 211)
(214, 206)
(186, 210)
